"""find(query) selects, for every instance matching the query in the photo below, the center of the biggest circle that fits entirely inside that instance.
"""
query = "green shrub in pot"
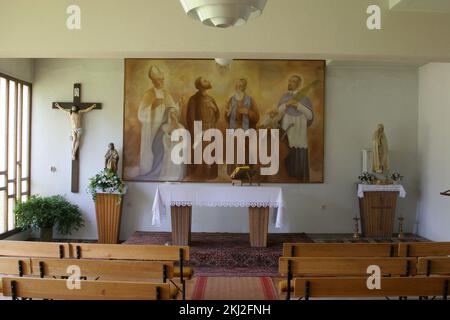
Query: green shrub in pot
(44, 213)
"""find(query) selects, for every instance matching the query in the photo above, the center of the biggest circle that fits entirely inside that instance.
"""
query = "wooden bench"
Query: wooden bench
(340, 250)
(340, 267)
(430, 266)
(357, 287)
(34, 249)
(37, 288)
(107, 270)
(423, 249)
(14, 266)
(137, 252)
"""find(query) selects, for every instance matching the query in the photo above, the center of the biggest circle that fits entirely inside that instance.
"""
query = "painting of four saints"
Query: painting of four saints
(164, 95)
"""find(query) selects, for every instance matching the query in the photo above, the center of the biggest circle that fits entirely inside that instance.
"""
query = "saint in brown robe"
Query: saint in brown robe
(202, 107)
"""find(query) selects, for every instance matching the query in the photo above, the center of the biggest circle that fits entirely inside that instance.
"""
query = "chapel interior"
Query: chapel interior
(121, 168)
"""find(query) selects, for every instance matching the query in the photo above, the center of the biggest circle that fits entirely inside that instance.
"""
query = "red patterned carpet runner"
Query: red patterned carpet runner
(234, 288)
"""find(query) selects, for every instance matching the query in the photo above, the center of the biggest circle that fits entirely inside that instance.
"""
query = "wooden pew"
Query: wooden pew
(433, 266)
(340, 249)
(14, 266)
(357, 287)
(340, 267)
(34, 249)
(128, 252)
(38, 288)
(106, 270)
(136, 252)
(423, 249)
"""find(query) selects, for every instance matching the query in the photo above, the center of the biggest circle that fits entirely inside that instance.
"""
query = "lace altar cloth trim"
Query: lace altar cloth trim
(231, 204)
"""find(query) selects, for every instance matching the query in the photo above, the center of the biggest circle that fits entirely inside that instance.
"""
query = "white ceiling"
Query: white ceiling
(436, 6)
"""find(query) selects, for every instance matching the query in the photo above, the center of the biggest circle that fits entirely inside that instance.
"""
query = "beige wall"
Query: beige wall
(357, 99)
(22, 69)
(159, 28)
(434, 152)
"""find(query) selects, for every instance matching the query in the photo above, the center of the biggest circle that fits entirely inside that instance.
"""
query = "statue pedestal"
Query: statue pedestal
(377, 211)
(108, 208)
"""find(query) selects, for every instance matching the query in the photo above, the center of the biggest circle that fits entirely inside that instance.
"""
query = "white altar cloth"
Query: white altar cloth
(381, 187)
(176, 194)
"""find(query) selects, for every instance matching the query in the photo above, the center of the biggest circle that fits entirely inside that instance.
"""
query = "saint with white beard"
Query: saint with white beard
(151, 115)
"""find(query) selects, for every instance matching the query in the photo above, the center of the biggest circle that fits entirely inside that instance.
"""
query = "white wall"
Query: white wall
(434, 153)
(22, 69)
(357, 99)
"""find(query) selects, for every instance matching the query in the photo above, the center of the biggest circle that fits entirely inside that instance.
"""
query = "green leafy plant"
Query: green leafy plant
(47, 212)
(106, 181)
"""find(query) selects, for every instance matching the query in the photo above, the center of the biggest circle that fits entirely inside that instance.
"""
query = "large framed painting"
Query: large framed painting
(193, 120)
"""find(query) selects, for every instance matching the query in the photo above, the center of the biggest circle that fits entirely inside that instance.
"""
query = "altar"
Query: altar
(180, 198)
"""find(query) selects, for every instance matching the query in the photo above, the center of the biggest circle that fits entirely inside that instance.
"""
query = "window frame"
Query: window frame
(17, 177)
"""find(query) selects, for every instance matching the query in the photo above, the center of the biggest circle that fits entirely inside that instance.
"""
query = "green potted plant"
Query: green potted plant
(107, 190)
(44, 213)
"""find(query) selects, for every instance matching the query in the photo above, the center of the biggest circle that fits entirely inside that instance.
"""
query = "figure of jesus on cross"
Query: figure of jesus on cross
(75, 120)
(75, 110)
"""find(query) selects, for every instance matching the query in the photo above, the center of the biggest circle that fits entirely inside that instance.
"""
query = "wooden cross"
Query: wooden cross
(80, 106)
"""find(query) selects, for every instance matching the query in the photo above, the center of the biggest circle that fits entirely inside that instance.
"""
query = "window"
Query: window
(15, 147)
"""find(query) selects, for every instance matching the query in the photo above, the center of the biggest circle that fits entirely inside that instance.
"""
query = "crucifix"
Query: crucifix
(75, 110)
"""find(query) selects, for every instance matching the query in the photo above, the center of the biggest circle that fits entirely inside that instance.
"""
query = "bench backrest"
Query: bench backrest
(340, 249)
(433, 266)
(89, 290)
(103, 269)
(321, 266)
(423, 249)
(15, 266)
(128, 252)
(357, 287)
(34, 249)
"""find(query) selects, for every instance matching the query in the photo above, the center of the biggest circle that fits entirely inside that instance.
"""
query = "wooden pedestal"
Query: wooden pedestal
(377, 210)
(182, 220)
(181, 225)
(258, 225)
(108, 209)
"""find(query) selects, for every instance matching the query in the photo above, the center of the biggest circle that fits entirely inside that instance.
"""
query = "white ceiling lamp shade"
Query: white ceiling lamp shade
(223, 62)
(223, 13)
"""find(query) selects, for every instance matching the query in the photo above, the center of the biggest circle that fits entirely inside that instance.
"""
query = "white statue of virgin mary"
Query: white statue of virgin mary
(380, 163)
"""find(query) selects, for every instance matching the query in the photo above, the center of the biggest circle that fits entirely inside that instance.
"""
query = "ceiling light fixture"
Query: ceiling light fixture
(223, 13)
(223, 62)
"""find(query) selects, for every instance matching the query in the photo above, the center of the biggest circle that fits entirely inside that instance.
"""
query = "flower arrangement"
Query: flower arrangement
(106, 181)
(396, 177)
(366, 178)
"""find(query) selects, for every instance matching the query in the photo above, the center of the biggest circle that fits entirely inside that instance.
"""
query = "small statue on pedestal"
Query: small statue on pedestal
(112, 158)
(380, 163)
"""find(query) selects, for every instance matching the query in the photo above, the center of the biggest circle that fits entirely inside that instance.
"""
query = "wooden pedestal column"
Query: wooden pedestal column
(377, 210)
(258, 226)
(181, 225)
(108, 209)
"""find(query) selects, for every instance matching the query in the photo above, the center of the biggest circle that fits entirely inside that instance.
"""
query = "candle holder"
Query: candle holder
(356, 229)
(401, 235)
